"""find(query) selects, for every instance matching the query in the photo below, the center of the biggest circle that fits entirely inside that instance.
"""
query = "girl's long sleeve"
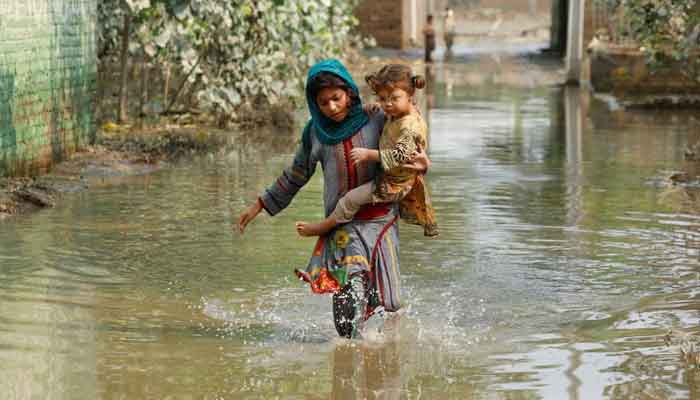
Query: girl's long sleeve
(280, 194)
(401, 153)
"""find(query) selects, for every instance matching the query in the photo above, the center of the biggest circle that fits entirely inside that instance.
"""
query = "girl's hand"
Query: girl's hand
(359, 154)
(419, 161)
(371, 108)
(249, 215)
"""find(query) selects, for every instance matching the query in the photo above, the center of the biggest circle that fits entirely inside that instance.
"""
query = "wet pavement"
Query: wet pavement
(563, 261)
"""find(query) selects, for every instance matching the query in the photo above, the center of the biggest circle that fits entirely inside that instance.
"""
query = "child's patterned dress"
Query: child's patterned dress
(400, 138)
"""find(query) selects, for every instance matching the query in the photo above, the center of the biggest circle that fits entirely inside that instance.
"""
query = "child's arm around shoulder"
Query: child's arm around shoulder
(361, 154)
(376, 116)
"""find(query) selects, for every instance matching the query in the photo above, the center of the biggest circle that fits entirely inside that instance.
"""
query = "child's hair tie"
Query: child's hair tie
(418, 81)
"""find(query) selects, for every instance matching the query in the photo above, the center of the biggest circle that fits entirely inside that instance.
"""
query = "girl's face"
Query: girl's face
(395, 102)
(334, 103)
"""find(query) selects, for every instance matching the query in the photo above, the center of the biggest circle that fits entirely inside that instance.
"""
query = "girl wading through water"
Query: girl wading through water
(404, 134)
(357, 262)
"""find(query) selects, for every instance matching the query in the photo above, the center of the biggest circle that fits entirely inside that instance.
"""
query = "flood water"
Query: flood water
(562, 262)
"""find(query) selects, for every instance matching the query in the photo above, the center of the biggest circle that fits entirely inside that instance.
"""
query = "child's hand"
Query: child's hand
(359, 154)
(371, 108)
(419, 161)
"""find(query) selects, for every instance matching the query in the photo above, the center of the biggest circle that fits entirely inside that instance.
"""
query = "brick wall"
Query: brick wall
(382, 19)
(47, 81)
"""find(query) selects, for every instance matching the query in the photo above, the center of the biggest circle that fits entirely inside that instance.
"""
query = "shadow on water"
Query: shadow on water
(367, 371)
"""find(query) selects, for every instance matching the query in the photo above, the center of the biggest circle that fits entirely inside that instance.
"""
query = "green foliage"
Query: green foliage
(233, 51)
(665, 30)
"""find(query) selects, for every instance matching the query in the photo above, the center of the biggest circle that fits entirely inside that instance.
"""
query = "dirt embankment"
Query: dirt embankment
(124, 151)
(155, 140)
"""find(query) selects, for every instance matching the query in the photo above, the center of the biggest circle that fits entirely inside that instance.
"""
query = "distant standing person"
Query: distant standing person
(429, 38)
(449, 31)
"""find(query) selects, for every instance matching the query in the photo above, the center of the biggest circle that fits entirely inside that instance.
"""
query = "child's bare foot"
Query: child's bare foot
(317, 229)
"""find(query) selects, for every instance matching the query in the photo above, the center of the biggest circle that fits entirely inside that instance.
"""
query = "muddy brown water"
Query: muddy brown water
(561, 265)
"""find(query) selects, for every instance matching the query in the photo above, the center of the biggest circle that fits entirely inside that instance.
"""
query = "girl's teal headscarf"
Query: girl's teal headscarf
(327, 130)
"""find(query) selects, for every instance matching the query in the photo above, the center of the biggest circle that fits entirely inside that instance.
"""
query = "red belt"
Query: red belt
(373, 211)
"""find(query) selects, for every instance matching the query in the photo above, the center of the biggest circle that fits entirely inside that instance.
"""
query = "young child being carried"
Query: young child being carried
(404, 133)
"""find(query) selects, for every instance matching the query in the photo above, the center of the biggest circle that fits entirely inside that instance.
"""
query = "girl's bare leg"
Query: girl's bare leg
(344, 211)
(316, 229)
(349, 306)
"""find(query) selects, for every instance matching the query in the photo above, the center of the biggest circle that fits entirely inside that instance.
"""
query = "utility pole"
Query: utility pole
(574, 43)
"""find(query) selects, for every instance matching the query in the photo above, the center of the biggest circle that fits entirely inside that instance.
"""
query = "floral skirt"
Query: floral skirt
(368, 246)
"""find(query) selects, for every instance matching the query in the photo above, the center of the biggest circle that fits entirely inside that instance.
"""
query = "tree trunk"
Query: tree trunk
(166, 85)
(123, 103)
(144, 88)
(182, 86)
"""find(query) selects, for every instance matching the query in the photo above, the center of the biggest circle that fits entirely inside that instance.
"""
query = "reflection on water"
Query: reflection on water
(561, 264)
(361, 371)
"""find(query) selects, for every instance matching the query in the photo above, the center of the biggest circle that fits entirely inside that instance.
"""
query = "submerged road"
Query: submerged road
(563, 261)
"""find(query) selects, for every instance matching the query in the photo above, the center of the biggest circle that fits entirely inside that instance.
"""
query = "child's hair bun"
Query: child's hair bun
(418, 81)
(371, 80)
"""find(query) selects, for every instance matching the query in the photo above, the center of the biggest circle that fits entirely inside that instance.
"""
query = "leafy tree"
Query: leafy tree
(232, 52)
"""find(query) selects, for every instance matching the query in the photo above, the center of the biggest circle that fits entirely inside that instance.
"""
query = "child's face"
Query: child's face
(334, 103)
(395, 102)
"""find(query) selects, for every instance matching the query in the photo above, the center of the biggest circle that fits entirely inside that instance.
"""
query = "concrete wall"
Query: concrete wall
(47, 81)
(624, 72)
(415, 12)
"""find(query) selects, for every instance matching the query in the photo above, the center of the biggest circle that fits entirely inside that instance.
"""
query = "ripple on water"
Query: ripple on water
(282, 316)
(557, 273)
